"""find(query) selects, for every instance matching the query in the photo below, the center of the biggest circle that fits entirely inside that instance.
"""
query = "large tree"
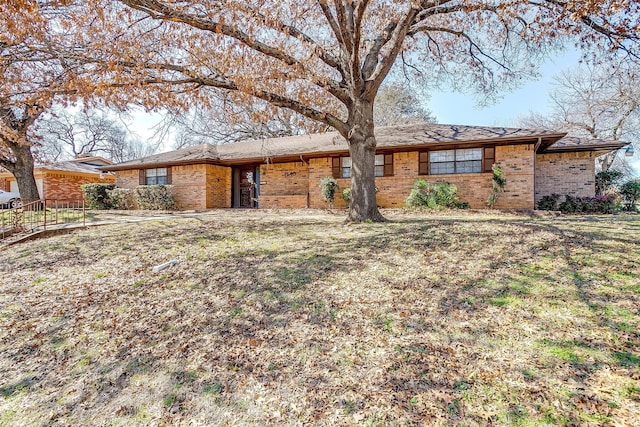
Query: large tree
(38, 67)
(598, 101)
(22, 81)
(326, 60)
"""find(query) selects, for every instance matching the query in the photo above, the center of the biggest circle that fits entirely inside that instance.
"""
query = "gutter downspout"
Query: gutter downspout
(308, 204)
(535, 176)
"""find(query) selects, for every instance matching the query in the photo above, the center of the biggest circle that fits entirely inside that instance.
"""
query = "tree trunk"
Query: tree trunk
(23, 169)
(606, 160)
(362, 149)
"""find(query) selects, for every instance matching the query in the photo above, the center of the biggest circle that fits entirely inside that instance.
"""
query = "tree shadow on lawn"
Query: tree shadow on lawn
(264, 314)
(512, 288)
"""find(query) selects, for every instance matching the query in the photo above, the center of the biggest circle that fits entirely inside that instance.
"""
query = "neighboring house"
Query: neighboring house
(285, 172)
(62, 180)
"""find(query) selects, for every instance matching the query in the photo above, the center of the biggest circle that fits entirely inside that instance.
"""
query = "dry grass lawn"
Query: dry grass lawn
(289, 318)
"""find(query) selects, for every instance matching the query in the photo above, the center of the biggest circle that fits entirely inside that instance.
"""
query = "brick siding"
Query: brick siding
(193, 186)
(189, 186)
(128, 179)
(516, 161)
(296, 184)
(565, 173)
(218, 186)
(62, 186)
(284, 185)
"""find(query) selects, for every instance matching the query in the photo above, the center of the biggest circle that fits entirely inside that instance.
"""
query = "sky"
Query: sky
(462, 109)
(533, 96)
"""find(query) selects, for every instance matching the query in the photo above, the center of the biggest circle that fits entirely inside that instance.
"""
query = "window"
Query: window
(341, 166)
(345, 167)
(463, 160)
(157, 176)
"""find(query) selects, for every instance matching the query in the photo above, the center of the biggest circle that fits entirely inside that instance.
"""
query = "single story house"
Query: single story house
(62, 180)
(285, 172)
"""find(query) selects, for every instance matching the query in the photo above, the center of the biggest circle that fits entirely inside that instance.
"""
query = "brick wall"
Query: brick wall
(517, 162)
(194, 186)
(218, 187)
(565, 173)
(284, 185)
(128, 179)
(189, 186)
(63, 186)
(296, 184)
(318, 169)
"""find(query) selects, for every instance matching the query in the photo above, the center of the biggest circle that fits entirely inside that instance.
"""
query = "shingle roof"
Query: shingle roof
(71, 166)
(572, 144)
(185, 155)
(399, 137)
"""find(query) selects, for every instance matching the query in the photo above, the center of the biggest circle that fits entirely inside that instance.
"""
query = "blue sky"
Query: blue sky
(533, 96)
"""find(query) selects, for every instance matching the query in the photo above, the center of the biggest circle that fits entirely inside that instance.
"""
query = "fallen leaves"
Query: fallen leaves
(290, 319)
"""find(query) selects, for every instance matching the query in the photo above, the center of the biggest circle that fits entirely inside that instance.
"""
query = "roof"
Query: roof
(189, 155)
(71, 166)
(84, 165)
(573, 144)
(92, 160)
(398, 138)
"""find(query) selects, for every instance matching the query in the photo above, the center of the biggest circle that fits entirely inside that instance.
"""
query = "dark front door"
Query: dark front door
(247, 188)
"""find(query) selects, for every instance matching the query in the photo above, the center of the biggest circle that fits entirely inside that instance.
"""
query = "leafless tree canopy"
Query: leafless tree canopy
(596, 101)
(63, 134)
(224, 122)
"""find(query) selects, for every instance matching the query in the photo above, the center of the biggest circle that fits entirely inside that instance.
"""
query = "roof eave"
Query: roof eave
(549, 138)
(578, 148)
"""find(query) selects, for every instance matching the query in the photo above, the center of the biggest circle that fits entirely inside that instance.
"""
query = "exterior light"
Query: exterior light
(629, 151)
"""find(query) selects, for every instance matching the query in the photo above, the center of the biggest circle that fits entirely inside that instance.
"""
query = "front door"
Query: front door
(247, 188)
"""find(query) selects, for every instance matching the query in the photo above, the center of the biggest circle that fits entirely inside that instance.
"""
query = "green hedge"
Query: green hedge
(154, 197)
(96, 195)
(120, 198)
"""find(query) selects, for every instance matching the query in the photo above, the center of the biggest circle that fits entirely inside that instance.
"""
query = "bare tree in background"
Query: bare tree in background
(397, 104)
(596, 101)
(226, 121)
(64, 135)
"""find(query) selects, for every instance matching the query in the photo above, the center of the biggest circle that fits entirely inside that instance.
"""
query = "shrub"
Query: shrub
(120, 198)
(434, 195)
(630, 192)
(96, 195)
(154, 197)
(605, 180)
(549, 203)
(328, 188)
(570, 205)
(604, 203)
(346, 195)
(497, 184)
